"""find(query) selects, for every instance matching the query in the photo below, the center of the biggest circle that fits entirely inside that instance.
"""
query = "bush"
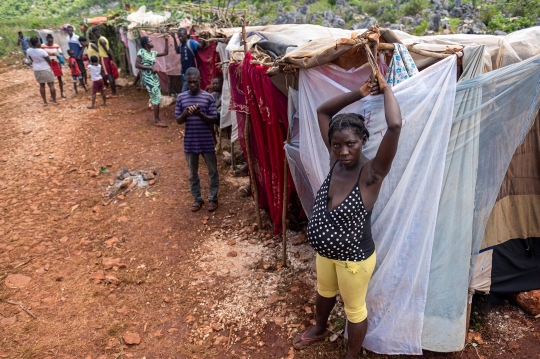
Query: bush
(499, 22)
(414, 7)
(421, 29)
(389, 15)
(488, 12)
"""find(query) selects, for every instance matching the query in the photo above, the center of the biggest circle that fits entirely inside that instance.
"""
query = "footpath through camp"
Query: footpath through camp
(91, 270)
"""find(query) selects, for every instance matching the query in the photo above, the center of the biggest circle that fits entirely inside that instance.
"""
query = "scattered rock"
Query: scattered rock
(259, 276)
(529, 301)
(513, 345)
(132, 338)
(221, 340)
(109, 242)
(232, 254)
(63, 239)
(27, 132)
(272, 298)
(278, 320)
(217, 326)
(8, 321)
(189, 319)
(475, 337)
(124, 310)
(98, 276)
(112, 279)
(109, 263)
(231, 242)
(15, 281)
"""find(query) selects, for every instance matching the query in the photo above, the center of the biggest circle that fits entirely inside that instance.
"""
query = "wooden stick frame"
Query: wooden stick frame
(247, 131)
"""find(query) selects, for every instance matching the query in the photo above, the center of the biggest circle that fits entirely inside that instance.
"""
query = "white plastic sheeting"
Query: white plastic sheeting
(403, 222)
(492, 122)
(446, 307)
(228, 117)
(496, 110)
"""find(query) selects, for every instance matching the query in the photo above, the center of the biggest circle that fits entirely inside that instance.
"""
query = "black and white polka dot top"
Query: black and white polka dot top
(344, 233)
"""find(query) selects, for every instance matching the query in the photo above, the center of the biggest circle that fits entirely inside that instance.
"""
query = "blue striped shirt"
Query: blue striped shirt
(198, 136)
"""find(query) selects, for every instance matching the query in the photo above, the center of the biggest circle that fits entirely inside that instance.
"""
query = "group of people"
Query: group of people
(340, 227)
(47, 60)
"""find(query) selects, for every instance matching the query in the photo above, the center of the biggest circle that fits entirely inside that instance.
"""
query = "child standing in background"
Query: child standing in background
(97, 81)
(75, 71)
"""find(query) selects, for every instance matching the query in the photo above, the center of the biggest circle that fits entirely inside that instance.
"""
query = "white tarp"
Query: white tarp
(493, 112)
(497, 110)
(398, 289)
(446, 307)
(228, 117)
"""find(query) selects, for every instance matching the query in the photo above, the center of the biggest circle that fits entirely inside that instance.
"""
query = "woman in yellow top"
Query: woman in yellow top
(106, 57)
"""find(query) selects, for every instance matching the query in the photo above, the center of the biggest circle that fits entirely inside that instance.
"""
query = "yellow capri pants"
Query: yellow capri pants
(351, 279)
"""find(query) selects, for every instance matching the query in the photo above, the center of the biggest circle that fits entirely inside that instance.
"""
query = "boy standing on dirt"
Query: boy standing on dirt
(75, 71)
(197, 109)
(97, 81)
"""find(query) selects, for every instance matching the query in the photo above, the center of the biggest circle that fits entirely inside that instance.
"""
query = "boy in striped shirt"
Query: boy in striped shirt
(197, 109)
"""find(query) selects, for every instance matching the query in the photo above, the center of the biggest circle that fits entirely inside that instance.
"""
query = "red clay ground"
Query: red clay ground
(175, 283)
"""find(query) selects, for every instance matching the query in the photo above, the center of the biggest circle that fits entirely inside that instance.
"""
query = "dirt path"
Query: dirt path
(188, 285)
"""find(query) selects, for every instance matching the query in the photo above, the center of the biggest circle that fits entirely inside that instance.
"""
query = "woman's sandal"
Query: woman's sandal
(197, 205)
(160, 124)
(301, 342)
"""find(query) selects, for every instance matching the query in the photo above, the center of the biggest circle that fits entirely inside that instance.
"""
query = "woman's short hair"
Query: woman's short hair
(144, 41)
(348, 121)
(34, 41)
(49, 36)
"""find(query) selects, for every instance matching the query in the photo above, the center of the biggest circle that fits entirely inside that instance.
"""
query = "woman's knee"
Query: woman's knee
(356, 315)
(326, 292)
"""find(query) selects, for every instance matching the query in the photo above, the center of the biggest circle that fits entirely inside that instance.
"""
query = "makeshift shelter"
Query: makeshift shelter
(426, 257)
(58, 36)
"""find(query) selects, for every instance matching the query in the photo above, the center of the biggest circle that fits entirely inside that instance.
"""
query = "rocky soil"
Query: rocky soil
(90, 272)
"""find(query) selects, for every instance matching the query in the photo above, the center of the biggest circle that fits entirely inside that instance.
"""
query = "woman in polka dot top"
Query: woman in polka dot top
(340, 227)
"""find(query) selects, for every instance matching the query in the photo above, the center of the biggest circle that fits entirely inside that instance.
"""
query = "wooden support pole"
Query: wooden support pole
(233, 160)
(412, 48)
(247, 132)
(285, 200)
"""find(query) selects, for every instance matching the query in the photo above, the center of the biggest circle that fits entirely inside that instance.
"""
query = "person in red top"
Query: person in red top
(75, 71)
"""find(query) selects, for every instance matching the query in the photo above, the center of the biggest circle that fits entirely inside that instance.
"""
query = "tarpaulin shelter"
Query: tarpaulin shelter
(484, 110)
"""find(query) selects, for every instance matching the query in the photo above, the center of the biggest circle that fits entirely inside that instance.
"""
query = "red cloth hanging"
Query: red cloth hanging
(253, 92)
(208, 58)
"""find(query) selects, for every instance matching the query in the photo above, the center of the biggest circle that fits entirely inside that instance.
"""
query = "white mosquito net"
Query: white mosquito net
(495, 111)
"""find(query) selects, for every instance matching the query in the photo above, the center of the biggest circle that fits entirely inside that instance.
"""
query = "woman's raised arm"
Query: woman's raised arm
(387, 149)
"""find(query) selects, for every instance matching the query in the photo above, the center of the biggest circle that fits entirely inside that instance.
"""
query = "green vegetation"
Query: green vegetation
(421, 29)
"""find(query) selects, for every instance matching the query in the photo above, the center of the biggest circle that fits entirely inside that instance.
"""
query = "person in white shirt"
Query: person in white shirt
(42, 69)
(97, 81)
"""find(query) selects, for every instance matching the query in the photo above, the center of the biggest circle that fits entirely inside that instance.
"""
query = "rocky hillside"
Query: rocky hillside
(418, 17)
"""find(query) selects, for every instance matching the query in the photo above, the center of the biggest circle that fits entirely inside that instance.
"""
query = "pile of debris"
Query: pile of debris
(126, 181)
